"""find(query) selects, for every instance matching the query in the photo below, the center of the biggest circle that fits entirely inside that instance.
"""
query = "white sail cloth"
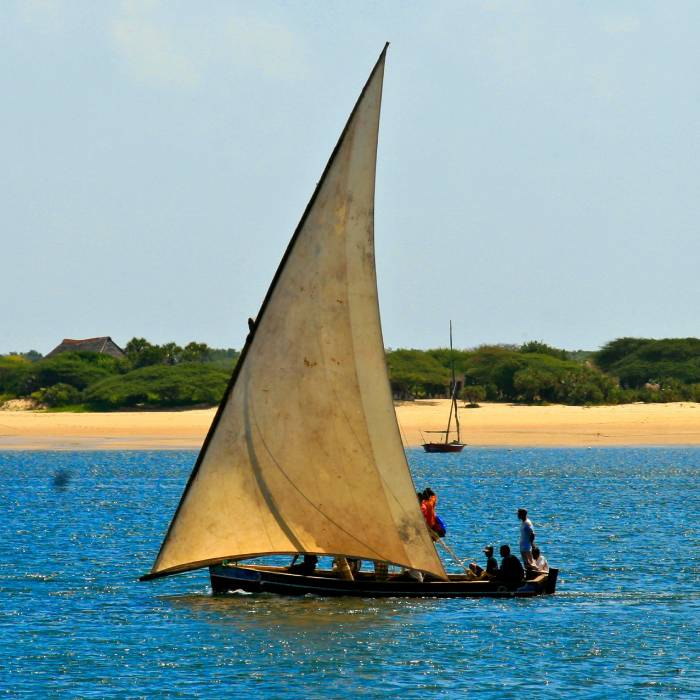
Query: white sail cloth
(305, 454)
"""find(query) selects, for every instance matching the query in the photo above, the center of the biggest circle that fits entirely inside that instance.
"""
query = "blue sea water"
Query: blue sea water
(78, 528)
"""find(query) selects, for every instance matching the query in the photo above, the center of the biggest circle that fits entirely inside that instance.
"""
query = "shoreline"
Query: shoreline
(491, 425)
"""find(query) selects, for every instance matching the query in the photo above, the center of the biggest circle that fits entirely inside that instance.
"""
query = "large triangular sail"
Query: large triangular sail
(304, 454)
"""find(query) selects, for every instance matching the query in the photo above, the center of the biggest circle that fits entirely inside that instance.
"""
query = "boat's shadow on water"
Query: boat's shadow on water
(314, 613)
(304, 611)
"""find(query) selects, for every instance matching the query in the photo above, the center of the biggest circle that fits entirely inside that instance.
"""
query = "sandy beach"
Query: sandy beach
(489, 425)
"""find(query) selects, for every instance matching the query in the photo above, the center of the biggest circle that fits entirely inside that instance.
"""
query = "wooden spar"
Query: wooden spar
(454, 387)
(453, 405)
(449, 421)
(452, 393)
(455, 558)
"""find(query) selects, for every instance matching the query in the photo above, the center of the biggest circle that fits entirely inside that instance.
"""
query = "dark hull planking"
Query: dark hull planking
(267, 579)
(443, 446)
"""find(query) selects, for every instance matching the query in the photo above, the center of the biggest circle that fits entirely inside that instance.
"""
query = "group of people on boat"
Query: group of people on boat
(510, 573)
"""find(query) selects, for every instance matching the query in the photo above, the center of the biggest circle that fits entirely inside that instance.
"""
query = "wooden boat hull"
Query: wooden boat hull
(444, 446)
(268, 579)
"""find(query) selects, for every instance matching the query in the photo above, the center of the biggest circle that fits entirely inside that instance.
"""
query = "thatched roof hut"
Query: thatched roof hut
(104, 345)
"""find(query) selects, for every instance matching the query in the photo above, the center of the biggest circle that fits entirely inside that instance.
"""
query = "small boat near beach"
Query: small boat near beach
(448, 445)
(304, 455)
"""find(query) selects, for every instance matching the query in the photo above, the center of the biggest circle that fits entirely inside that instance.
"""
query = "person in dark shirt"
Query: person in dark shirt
(511, 571)
(306, 568)
(491, 571)
(491, 563)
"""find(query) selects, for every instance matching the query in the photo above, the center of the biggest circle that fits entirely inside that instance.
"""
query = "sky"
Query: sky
(538, 166)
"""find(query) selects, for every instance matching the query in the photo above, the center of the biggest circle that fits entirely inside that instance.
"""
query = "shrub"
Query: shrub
(58, 395)
(416, 373)
(473, 393)
(79, 369)
(160, 386)
(615, 350)
(638, 361)
(533, 385)
(141, 353)
(540, 348)
(693, 392)
(15, 374)
(494, 367)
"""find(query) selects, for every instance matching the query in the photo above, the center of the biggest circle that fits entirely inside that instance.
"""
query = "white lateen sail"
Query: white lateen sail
(305, 454)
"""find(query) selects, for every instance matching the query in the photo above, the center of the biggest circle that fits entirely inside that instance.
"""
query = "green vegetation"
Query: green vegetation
(14, 375)
(153, 376)
(160, 386)
(536, 373)
(472, 394)
(639, 361)
(416, 373)
(625, 370)
(150, 376)
(141, 353)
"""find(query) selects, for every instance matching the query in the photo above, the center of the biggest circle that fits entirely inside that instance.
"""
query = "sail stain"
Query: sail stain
(408, 532)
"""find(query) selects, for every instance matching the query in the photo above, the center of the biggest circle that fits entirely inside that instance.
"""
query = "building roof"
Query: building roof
(103, 345)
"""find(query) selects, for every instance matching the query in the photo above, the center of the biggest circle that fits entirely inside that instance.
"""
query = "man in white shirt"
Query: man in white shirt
(527, 537)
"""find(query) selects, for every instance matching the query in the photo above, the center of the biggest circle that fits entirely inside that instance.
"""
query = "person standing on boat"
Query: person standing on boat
(527, 538)
(427, 500)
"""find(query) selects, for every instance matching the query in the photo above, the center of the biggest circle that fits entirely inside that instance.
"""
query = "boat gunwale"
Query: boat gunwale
(279, 580)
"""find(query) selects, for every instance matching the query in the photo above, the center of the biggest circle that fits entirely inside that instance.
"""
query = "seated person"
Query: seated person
(511, 571)
(540, 563)
(412, 574)
(381, 570)
(306, 568)
(354, 564)
(491, 571)
(343, 568)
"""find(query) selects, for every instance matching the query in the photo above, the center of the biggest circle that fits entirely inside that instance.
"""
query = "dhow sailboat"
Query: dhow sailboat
(304, 455)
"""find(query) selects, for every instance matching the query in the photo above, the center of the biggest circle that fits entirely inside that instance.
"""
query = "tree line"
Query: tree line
(150, 376)
(153, 376)
(625, 370)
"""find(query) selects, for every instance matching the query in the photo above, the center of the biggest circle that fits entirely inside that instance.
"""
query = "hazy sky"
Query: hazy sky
(538, 173)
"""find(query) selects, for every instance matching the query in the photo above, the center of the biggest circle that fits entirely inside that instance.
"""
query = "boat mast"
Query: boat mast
(454, 386)
(453, 396)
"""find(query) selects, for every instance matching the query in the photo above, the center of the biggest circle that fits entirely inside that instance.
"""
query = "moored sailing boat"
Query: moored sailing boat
(304, 455)
(448, 445)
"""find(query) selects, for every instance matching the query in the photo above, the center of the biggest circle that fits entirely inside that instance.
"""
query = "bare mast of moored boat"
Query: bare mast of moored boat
(453, 394)
(449, 445)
